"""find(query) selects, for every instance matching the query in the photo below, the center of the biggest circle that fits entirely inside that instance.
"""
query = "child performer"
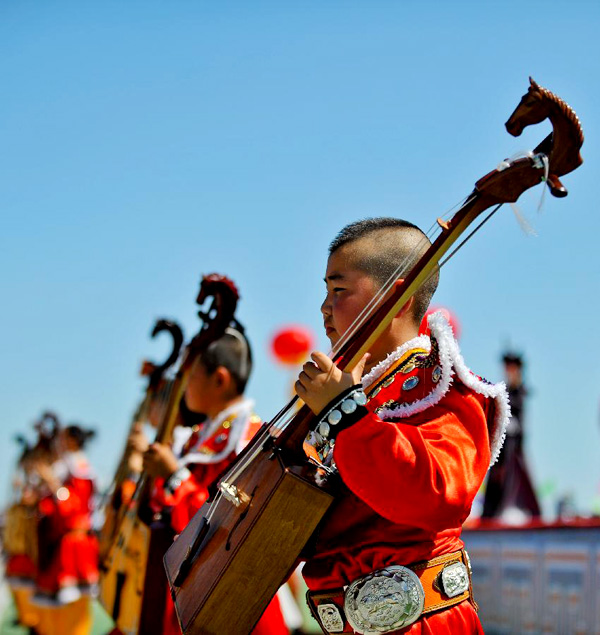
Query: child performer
(68, 551)
(222, 422)
(411, 432)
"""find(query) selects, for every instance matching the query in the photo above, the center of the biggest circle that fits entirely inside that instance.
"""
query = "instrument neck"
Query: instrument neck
(376, 324)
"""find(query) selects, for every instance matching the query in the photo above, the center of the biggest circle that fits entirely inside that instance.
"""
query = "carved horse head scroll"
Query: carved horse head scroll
(563, 144)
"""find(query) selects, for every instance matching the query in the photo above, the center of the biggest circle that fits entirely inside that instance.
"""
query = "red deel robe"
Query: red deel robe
(69, 567)
(411, 468)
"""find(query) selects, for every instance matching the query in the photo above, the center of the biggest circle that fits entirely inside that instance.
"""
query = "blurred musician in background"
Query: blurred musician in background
(222, 421)
(67, 573)
(19, 539)
(509, 495)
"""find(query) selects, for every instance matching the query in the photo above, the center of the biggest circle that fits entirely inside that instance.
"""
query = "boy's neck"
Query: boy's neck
(223, 405)
(397, 334)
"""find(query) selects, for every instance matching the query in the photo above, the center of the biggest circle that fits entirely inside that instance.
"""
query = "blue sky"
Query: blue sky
(146, 143)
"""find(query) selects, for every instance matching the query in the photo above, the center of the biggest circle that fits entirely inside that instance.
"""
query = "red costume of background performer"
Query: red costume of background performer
(222, 422)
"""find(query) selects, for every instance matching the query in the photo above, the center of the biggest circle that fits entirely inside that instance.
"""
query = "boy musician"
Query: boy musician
(411, 432)
(222, 422)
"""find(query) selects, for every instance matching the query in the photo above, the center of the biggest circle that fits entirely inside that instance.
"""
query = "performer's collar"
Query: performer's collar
(241, 407)
(421, 342)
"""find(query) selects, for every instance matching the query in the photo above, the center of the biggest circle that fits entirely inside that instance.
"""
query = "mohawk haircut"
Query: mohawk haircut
(234, 353)
(385, 244)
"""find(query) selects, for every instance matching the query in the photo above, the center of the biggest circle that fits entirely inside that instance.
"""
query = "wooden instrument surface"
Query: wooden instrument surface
(145, 547)
(122, 580)
(281, 506)
(125, 542)
(20, 531)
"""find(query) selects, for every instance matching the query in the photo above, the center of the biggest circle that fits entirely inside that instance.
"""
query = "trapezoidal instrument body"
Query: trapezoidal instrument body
(258, 539)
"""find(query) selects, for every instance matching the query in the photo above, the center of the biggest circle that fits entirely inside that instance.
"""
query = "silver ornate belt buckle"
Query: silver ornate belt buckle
(455, 579)
(331, 618)
(384, 601)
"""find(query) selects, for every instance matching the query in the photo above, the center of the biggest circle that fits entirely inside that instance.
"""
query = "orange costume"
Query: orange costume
(68, 565)
(68, 551)
(212, 446)
(411, 455)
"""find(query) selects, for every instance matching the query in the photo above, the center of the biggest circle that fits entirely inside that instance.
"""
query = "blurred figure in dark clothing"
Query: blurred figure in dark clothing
(509, 494)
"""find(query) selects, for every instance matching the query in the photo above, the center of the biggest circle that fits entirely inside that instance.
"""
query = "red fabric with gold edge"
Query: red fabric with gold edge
(190, 495)
(75, 559)
(410, 485)
(193, 493)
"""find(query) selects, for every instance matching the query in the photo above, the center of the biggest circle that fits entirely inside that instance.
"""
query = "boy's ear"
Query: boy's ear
(407, 308)
(222, 377)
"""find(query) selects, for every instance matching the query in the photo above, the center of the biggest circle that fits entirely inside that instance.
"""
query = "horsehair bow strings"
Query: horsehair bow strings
(401, 271)
(520, 217)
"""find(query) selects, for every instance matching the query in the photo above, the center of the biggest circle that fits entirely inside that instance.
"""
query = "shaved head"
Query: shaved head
(233, 352)
(378, 246)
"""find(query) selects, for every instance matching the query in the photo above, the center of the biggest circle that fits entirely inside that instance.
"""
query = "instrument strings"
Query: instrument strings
(122, 469)
(135, 498)
(285, 416)
(374, 304)
(162, 418)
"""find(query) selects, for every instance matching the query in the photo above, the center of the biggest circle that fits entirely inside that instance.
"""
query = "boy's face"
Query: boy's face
(348, 292)
(200, 390)
(513, 374)
(67, 442)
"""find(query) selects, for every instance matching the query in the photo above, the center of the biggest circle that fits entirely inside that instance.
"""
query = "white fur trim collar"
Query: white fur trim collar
(78, 465)
(451, 362)
(422, 341)
(242, 410)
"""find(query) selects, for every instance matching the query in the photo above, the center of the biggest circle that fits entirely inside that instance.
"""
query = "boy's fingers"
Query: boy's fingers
(304, 379)
(300, 389)
(357, 371)
(322, 361)
(311, 370)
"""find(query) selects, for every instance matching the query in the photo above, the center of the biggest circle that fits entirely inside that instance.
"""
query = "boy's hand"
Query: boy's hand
(29, 497)
(137, 441)
(159, 460)
(46, 474)
(321, 380)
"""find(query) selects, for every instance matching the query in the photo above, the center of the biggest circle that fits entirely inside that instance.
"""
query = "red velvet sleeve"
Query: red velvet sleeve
(420, 469)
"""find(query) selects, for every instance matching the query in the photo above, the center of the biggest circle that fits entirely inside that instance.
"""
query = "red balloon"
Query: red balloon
(450, 318)
(291, 345)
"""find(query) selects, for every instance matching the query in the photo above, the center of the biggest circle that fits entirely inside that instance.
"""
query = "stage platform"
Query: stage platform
(538, 578)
